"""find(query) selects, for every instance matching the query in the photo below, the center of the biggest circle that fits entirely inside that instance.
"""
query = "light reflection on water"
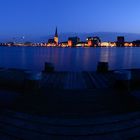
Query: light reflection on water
(104, 55)
(70, 59)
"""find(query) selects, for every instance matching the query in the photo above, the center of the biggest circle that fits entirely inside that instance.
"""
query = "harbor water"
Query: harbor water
(69, 59)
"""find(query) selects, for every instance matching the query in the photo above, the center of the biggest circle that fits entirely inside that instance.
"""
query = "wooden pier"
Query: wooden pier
(67, 105)
(22, 126)
(77, 80)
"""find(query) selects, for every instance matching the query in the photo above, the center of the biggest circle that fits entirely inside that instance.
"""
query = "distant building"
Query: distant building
(28, 44)
(73, 41)
(90, 41)
(64, 44)
(105, 44)
(128, 44)
(54, 41)
(108, 44)
(56, 37)
(81, 44)
(136, 43)
(9, 44)
(51, 41)
(113, 44)
(93, 41)
(120, 41)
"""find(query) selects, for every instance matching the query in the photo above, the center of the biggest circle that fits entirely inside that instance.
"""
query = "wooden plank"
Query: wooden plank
(97, 85)
(44, 80)
(76, 80)
(6, 136)
(111, 78)
(100, 80)
(21, 133)
(56, 80)
(81, 81)
(88, 81)
(111, 119)
(52, 83)
(72, 81)
(62, 79)
(23, 127)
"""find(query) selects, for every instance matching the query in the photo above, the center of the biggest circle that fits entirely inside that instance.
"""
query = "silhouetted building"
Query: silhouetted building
(72, 41)
(51, 41)
(136, 43)
(120, 41)
(93, 41)
(10, 44)
(28, 44)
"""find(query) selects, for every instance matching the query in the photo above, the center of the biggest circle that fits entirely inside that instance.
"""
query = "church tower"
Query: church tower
(56, 37)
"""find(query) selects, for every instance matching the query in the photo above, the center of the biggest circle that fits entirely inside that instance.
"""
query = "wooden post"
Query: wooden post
(102, 67)
(48, 67)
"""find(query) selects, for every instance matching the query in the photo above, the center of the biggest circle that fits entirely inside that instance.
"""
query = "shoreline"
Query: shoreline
(76, 46)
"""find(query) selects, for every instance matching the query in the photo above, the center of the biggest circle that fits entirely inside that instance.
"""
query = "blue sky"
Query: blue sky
(40, 17)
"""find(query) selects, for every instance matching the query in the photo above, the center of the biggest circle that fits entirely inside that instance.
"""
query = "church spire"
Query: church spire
(56, 37)
(56, 33)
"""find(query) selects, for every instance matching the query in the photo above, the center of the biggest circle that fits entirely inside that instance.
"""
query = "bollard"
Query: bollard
(102, 67)
(48, 67)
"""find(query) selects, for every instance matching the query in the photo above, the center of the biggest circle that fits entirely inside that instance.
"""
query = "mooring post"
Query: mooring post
(48, 67)
(102, 67)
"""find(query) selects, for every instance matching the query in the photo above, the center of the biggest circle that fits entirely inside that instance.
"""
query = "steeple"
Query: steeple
(56, 37)
(56, 33)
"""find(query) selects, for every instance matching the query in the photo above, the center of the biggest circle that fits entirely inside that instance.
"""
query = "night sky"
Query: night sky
(40, 17)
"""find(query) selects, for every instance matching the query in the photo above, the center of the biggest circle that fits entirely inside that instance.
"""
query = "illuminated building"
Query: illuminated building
(108, 44)
(56, 37)
(81, 44)
(51, 43)
(128, 44)
(120, 41)
(64, 44)
(70, 44)
(9, 44)
(105, 44)
(73, 41)
(54, 41)
(90, 41)
(93, 41)
(113, 44)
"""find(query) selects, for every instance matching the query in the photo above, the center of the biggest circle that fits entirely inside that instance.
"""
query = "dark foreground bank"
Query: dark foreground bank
(58, 107)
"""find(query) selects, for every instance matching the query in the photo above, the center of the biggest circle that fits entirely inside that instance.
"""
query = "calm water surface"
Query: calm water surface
(70, 59)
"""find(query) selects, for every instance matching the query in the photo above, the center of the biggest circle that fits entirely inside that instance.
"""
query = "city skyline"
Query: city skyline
(62, 37)
(75, 41)
(39, 18)
(105, 36)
